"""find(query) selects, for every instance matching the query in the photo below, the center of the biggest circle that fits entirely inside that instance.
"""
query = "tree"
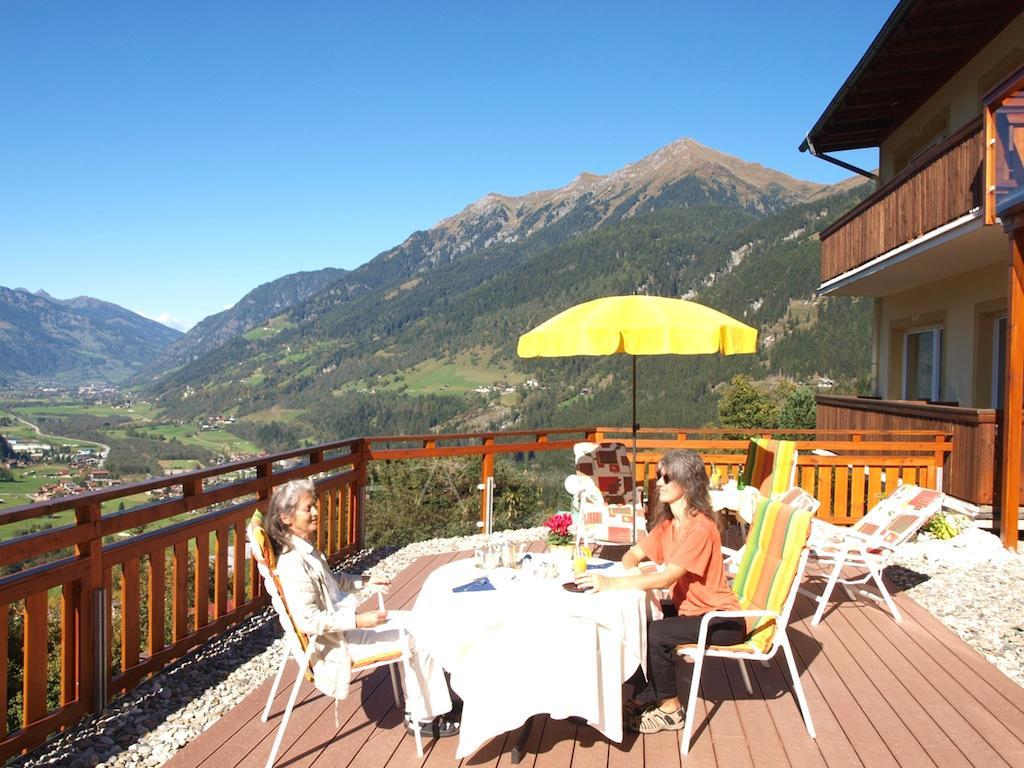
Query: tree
(798, 410)
(745, 406)
(6, 476)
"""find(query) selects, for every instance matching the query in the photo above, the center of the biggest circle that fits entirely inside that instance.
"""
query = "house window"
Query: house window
(922, 364)
(998, 360)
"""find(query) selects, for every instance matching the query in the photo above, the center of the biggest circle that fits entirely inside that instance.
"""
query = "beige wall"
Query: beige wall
(964, 306)
(957, 102)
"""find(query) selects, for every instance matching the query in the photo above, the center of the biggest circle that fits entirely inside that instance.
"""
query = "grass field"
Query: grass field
(459, 377)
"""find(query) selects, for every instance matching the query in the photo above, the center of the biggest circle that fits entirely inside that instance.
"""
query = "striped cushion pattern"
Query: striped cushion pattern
(769, 466)
(777, 536)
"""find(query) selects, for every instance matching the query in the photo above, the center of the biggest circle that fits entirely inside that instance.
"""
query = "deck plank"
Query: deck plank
(865, 644)
(939, 723)
(881, 693)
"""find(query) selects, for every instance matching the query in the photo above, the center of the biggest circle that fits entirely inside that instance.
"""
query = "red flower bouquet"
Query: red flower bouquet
(560, 529)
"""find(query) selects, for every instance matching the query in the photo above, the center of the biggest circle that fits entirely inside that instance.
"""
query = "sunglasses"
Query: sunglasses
(663, 476)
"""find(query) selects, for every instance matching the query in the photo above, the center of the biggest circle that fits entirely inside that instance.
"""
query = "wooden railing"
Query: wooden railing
(178, 585)
(941, 186)
(970, 473)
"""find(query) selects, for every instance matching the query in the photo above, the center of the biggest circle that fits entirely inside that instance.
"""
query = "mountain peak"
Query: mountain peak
(662, 175)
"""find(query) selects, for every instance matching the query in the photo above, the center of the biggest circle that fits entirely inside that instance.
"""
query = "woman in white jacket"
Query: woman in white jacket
(324, 604)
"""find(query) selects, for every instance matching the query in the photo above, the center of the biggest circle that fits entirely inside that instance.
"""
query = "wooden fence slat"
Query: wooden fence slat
(857, 493)
(826, 480)
(4, 610)
(874, 486)
(157, 595)
(841, 493)
(34, 659)
(202, 590)
(68, 643)
(220, 573)
(129, 614)
(238, 565)
(180, 599)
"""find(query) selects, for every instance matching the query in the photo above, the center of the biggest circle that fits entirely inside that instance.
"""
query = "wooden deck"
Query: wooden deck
(881, 694)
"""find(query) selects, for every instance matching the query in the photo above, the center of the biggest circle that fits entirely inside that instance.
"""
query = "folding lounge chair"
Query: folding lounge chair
(770, 466)
(871, 543)
(766, 585)
(610, 499)
(300, 647)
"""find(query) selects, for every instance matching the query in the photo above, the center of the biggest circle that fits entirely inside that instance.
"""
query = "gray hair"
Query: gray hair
(283, 502)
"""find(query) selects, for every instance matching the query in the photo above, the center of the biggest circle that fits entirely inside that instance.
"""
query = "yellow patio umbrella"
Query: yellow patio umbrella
(638, 325)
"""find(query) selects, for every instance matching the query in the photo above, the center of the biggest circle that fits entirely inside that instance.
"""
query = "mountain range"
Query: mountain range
(74, 341)
(403, 342)
(442, 310)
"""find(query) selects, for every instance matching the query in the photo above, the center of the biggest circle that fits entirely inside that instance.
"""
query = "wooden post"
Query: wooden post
(34, 660)
(357, 496)
(1014, 393)
(487, 470)
(87, 633)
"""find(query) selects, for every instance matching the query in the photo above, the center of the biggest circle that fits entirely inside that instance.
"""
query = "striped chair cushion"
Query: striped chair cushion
(769, 466)
(777, 536)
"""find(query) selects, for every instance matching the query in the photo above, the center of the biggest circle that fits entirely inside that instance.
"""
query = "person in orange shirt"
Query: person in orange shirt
(686, 543)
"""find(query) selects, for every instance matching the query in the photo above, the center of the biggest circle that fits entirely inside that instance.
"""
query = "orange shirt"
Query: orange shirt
(697, 549)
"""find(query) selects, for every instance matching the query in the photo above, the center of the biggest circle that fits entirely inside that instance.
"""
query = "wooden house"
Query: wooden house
(938, 245)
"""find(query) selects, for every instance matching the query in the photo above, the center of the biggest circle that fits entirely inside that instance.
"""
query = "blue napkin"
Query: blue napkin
(599, 566)
(477, 585)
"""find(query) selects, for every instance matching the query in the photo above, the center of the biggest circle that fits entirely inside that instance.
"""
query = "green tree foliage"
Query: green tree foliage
(416, 500)
(744, 405)
(798, 411)
(6, 476)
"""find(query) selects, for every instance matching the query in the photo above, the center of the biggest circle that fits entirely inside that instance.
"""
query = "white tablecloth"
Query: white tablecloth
(739, 501)
(530, 647)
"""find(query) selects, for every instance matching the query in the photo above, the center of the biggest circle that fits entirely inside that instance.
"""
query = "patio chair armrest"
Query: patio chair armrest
(736, 614)
(705, 621)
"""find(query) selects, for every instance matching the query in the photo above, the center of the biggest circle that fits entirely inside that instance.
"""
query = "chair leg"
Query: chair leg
(746, 677)
(285, 717)
(829, 586)
(876, 574)
(394, 685)
(798, 688)
(277, 683)
(691, 705)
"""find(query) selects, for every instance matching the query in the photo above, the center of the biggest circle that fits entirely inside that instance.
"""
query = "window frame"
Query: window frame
(938, 332)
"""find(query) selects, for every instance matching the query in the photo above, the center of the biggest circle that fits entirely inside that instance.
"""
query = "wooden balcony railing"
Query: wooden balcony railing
(190, 580)
(970, 473)
(939, 187)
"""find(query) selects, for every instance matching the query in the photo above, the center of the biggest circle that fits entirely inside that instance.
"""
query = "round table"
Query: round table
(529, 647)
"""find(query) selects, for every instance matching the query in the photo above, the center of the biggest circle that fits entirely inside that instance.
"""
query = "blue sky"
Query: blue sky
(170, 157)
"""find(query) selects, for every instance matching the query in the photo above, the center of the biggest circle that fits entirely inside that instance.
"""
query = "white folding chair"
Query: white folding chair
(765, 586)
(299, 647)
(870, 543)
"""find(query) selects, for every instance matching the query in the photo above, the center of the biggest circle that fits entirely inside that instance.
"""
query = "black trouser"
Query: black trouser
(662, 638)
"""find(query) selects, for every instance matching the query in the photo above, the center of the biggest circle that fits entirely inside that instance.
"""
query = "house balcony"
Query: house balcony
(94, 607)
(925, 224)
(970, 472)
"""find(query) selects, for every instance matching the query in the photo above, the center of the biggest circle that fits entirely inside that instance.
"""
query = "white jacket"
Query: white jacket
(322, 604)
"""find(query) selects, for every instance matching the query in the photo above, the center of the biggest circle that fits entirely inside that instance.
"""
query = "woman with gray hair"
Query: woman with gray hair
(324, 604)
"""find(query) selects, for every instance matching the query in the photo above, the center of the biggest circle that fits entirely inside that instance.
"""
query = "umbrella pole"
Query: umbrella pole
(635, 428)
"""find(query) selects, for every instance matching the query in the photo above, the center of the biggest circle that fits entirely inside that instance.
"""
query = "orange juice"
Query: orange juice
(579, 562)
